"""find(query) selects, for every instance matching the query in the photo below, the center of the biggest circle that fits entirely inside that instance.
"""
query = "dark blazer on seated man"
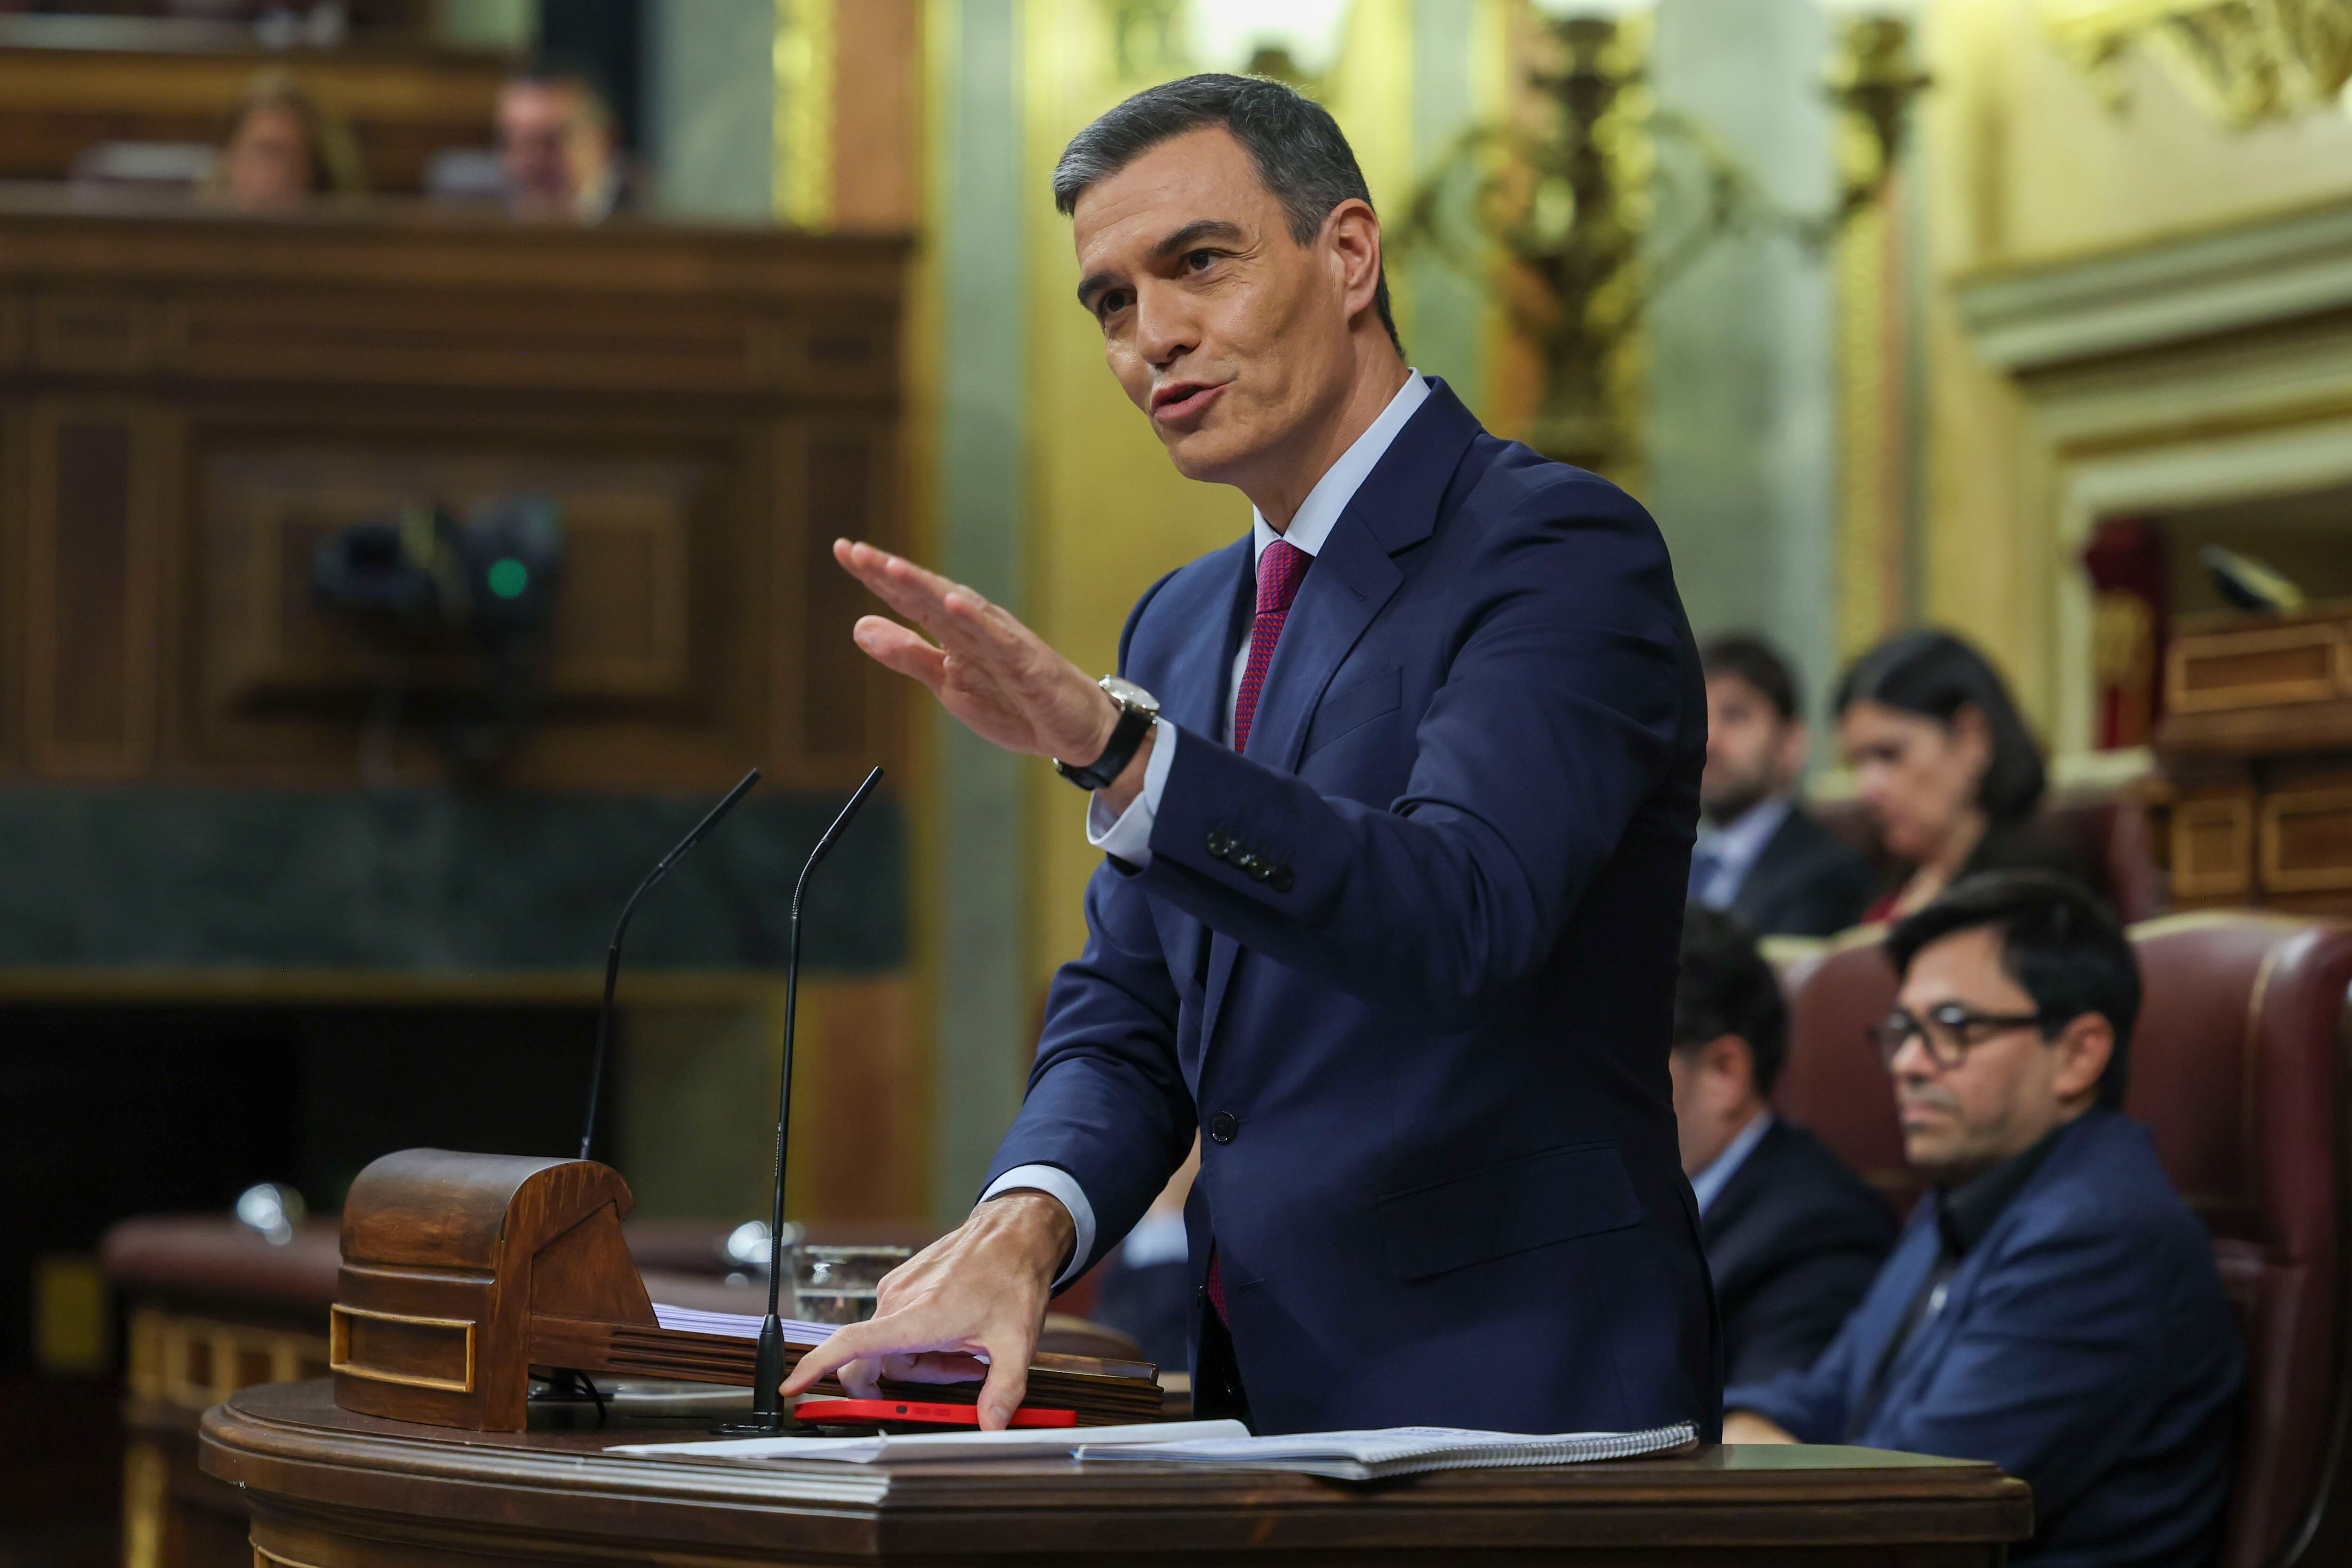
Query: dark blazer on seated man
(1793, 1238)
(1806, 882)
(1760, 854)
(2055, 1311)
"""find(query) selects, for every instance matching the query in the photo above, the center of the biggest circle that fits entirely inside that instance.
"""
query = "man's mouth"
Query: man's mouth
(1180, 400)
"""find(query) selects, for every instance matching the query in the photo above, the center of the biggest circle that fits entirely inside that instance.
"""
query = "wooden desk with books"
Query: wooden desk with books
(334, 1489)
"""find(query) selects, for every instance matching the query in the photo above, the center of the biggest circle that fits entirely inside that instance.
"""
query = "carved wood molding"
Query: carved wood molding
(2240, 61)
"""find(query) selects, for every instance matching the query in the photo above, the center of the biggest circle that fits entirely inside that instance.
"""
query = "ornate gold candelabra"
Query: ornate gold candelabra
(1574, 221)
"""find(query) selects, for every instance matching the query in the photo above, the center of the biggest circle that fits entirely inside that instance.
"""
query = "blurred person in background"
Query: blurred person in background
(2052, 1306)
(557, 150)
(1947, 770)
(1792, 1237)
(1147, 1289)
(281, 150)
(1760, 854)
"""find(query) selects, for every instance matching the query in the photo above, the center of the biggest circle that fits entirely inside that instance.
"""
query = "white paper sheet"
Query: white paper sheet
(1400, 1450)
(736, 1325)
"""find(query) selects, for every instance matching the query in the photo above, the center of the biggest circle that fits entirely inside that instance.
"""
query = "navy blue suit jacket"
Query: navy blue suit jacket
(1428, 1036)
(2083, 1346)
(1793, 1240)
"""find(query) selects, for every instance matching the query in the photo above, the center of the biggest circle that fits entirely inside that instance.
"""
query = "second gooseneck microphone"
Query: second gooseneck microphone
(613, 957)
(767, 1369)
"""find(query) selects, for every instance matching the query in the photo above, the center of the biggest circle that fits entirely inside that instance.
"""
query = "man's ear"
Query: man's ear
(1353, 232)
(1731, 1059)
(2084, 1046)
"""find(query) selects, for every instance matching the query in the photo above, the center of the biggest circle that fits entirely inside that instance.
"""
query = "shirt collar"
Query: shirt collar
(1320, 513)
(1709, 1184)
(1744, 836)
(1965, 1213)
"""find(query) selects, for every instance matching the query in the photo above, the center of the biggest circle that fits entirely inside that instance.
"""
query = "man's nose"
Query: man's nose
(1912, 1063)
(1165, 329)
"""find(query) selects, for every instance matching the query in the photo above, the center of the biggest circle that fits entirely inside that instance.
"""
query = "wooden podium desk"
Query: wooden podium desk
(331, 1490)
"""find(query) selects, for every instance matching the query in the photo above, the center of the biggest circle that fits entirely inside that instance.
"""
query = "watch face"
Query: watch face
(1128, 694)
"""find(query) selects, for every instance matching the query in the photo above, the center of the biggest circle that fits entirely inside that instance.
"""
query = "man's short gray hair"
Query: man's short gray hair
(1297, 147)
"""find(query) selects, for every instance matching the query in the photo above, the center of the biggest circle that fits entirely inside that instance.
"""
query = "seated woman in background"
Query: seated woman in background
(1947, 769)
(281, 148)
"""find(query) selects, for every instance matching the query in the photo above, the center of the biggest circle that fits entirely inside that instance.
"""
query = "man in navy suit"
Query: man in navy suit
(2052, 1306)
(1793, 1238)
(1397, 798)
(1760, 854)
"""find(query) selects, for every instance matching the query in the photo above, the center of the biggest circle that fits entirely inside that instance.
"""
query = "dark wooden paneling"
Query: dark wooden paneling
(403, 107)
(709, 408)
(90, 590)
(842, 482)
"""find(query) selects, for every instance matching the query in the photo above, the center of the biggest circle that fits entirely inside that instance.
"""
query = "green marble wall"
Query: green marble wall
(430, 880)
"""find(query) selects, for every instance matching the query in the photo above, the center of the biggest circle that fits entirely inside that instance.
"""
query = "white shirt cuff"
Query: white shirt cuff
(1128, 835)
(1063, 1188)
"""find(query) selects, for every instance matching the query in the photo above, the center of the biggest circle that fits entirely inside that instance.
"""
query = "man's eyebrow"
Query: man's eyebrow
(1194, 233)
(1184, 239)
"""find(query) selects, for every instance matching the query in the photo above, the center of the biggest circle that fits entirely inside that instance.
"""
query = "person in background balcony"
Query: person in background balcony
(2052, 1307)
(1792, 1236)
(281, 150)
(1947, 770)
(557, 151)
(1760, 854)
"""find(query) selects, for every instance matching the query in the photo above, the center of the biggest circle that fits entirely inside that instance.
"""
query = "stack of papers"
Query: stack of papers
(1402, 1450)
(1024, 1443)
(735, 1325)
(1346, 1456)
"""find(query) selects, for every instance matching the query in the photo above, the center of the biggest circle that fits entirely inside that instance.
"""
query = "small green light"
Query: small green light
(508, 578)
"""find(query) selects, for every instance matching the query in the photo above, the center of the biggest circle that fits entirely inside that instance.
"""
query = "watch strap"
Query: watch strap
(1134, 724)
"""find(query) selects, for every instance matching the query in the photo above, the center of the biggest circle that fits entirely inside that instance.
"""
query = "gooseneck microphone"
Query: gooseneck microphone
(613, 957)
(767, 1370)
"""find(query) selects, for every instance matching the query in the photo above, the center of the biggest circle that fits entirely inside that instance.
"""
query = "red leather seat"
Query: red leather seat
(2237, 1069)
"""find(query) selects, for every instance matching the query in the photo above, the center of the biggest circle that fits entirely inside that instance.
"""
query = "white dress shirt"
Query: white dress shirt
(1736, 846)
(1128, 835)
(1709, 1184)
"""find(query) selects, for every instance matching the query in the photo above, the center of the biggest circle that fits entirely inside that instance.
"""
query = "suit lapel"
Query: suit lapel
(1202, 665)
(1353, 579)
(1780, 854)
(1394, 508)
(1744, 1185)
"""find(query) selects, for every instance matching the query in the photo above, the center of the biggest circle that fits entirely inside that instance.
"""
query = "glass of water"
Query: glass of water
(837, 1284)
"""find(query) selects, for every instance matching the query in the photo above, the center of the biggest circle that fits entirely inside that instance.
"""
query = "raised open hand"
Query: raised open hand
(1000, 677)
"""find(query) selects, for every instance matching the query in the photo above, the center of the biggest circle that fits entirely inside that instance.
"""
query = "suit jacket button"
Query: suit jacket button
(1262, 869)
(1282, 880)
(1222, 1126)
(1219, 846)
(1242, 861)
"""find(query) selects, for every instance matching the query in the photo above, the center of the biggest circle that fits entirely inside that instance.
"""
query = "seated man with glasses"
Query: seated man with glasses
(2053, 1305)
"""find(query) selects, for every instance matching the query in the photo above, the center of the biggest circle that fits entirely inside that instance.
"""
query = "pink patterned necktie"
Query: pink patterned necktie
(1280, 570)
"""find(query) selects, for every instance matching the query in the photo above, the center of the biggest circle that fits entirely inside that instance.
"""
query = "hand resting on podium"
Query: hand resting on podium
(970, 1305)
(1747, 1426)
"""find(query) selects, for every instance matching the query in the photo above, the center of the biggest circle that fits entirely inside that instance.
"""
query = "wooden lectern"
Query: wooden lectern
(462, 1272)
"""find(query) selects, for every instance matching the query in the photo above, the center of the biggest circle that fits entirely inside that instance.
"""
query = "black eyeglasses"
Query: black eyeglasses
(1948, 1030)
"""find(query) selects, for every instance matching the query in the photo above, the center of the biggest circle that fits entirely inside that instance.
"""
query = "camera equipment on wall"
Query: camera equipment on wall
(429, 590)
